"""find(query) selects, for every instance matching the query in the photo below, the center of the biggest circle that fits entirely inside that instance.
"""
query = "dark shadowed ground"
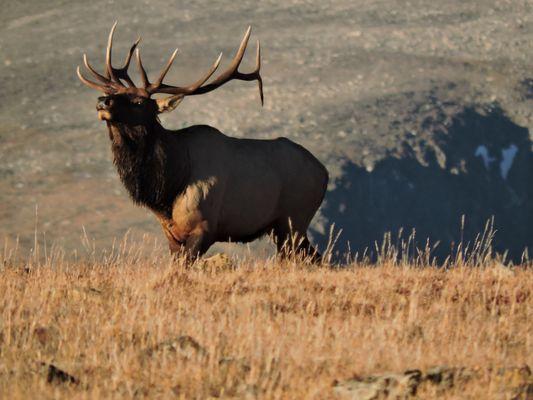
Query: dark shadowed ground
(421, 110)
(474, 171)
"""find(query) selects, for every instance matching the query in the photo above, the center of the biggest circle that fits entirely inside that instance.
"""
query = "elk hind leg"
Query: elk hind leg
(308, 251)
(293, 241)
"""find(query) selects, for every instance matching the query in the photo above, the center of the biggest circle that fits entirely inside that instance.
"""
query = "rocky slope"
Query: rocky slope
(421, 110)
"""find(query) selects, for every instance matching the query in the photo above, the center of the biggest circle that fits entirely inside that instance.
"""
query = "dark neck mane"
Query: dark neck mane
(152, 163)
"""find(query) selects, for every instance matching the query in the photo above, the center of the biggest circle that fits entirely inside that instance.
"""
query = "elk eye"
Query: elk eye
(138, 101)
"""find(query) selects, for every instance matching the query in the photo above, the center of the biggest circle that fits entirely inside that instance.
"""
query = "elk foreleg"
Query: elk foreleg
(175, 245)
(197, 243)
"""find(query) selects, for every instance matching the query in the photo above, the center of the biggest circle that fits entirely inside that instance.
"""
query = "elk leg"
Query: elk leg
(293, 242)
(174, 245)
(196, 245)
(308, 251)
(286, 240)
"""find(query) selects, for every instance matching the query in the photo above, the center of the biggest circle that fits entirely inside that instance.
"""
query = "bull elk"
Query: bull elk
(202, 185)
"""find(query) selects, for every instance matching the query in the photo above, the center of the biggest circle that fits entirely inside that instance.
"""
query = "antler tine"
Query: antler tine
(240, 53)
(208, 75)
(257, 69)
(107, 89)
(130, 53)
(122, 73)
(233, 70)
(111, 82)
(116, 74)
(109, 68)
(187, 90)
(165, 69)
(97, 75)
(142, 71)
(230, 73)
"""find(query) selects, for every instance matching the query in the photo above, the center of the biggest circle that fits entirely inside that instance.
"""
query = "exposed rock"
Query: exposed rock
(184, 346)
(56, 375)
(512, 382)
(380, 386)
(463, 161)
(216, 261)
(446, 378)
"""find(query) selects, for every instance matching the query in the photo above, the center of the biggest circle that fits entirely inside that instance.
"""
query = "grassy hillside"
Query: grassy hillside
(125, 325)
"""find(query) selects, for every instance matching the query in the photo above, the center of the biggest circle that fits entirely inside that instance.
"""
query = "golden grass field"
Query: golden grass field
(128, 324)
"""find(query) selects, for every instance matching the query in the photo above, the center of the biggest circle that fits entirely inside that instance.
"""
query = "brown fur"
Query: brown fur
(202, 185)
(206, 187)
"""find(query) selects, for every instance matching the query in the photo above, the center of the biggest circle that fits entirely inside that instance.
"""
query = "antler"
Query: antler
(233, 71)
(111, 82)
(229, 74)
(159, 87)
(119, 73)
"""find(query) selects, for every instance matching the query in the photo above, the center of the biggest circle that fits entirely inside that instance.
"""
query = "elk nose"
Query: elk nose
(104, 103)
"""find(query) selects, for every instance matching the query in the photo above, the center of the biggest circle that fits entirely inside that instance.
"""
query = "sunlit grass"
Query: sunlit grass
(134, 323)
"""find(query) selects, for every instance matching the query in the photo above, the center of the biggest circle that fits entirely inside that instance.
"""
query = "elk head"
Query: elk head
(126, 103)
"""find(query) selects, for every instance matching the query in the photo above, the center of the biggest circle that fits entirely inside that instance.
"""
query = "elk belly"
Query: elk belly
(250, 204)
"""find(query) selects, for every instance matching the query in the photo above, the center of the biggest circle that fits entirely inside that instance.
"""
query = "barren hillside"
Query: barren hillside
(421, 110)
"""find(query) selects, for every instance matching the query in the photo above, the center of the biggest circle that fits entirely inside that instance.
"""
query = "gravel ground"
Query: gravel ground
(353, 81)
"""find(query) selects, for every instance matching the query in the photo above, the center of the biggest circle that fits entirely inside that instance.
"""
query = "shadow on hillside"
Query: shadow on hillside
(481, 166)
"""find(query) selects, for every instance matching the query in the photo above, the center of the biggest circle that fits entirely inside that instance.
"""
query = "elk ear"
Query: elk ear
(168, 103)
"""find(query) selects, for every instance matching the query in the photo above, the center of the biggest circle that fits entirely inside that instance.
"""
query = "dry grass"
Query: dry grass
(128, 325)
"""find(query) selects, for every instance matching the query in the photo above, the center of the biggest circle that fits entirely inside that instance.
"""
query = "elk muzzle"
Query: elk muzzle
(103, 107)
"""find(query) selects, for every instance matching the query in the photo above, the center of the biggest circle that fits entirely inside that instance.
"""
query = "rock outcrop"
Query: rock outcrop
(512, 383)
(466, 161)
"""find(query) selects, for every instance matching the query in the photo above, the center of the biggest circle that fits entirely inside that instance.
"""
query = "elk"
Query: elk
(202, 185)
